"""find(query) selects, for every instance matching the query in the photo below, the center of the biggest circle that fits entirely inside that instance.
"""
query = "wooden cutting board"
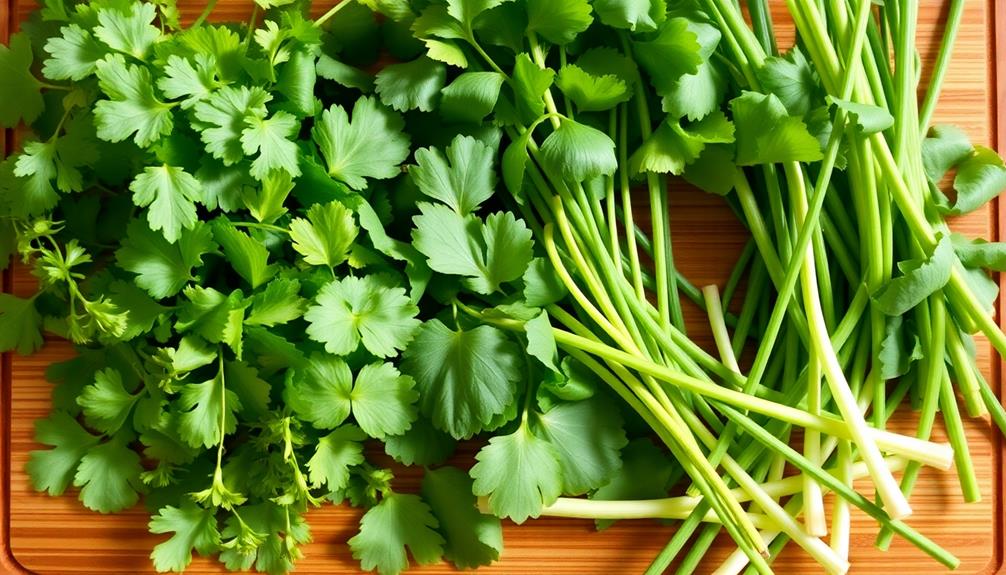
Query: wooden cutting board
(47, 535)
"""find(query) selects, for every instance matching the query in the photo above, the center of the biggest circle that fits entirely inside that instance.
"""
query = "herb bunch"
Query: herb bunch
(304, 255)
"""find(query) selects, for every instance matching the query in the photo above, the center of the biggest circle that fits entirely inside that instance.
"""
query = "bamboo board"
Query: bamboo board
(45, 535)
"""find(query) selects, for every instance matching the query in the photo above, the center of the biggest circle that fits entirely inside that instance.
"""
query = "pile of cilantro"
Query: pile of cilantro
(298, 255)
(221, 218)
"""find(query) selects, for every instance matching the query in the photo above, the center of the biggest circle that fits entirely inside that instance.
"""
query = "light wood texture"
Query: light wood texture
(56, 535)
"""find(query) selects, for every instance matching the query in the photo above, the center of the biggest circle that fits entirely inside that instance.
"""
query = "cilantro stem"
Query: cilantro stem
(49, 86)
(951, 27)
(331, 12)
(261, 226)
(210, 5)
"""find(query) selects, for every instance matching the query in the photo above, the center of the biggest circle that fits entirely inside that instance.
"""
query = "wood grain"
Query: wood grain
(48, 535)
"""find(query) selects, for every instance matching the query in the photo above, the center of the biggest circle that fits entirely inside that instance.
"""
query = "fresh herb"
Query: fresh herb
(301, 256)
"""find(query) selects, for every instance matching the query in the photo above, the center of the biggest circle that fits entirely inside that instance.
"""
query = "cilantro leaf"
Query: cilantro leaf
(471, 96)
(520, 473)
(270, 138)
(320, 392)
(464, 378)
(163, 268)
(398, 522)
(465, 182)
(324, 238)
(671, 147)
(383, 400)
(193, 528)
(52, 470)
(133, 109)
(73, 54)
(335, 454)
(214, 316)
(471, 538)
(980, 177)
(222, 119)
(106, 403)
(278, 304)
(587, 437)
(540, 341)
(204, 405)
(558, 21)
(944, 148)
(109, 477)
(128, 31)
(21, 98)
(541, 284)
(412, 85)
(867, 118)
(919, 279)
(296, 82)
(355, 309)
(41, 163)
(671, 53)
(422, 444)
(489, 254)
(20, 325)
(767, 134)
(249, 258)
(979, 253)
(530, 81)
(592, 93)
(372, 145)
(170, 193)
(793, 80)
(331, 69)
(632, 15)
(579, 152)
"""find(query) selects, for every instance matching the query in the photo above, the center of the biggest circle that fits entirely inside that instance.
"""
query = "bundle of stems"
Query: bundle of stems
(817, 366)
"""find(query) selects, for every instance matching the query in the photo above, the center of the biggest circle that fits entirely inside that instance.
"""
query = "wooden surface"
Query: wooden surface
(42, 534)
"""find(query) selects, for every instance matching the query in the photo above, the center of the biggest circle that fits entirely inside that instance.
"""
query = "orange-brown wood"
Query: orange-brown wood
(48, 535)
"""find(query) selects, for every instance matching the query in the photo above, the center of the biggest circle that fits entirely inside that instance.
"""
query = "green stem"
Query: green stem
(210, 5)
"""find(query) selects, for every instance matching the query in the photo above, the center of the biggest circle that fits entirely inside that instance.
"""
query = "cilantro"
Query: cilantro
(109, 477)
(587, 437)
(558, 21)
(325, 237)
(381, 399)
(162, 268)
(372, 145)
(170, 193)
(362, 309)
(413, 85)
(52, 470)
(21, 98)
(520, 473)
(488, 253)
(106, 403)
(270, 139)
(471, 539)
(193, 529)
(249, 258)
(209, 409)
(277, 304)
(132, 108)
(398, 522)
(224, 116)
(335, 454)
(464, 378)
(129, 31)
(422, 444)
(20, 325)
(72, 56)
